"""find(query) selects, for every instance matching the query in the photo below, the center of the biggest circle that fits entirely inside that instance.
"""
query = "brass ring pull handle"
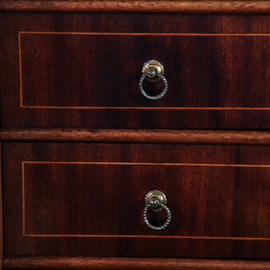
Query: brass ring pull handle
(156, 200)
(153, 71)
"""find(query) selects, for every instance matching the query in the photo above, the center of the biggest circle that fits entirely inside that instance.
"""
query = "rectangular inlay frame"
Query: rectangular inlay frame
(131, 34)
(132, 164)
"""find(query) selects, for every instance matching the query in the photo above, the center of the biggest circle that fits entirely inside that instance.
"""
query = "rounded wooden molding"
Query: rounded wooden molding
(36, 262)
(137, 136)
(253, 7)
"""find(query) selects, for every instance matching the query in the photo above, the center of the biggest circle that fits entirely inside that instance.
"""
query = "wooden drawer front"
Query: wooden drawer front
(88, 199)
(85, 72)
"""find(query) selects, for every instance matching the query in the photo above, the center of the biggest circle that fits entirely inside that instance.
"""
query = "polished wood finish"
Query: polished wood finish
(196, 67)
(78, 190)
(1, 212)
(231, 7)
(137, 136)
(129, 263)
(81, 199)
(212, 70)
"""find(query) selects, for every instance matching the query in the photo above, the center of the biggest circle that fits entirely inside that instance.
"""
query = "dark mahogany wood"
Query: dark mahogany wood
(68, 76)
(137, 136)
(128, 263)
(139, 6)
(1, 211)
(80, 71)
(78, 199)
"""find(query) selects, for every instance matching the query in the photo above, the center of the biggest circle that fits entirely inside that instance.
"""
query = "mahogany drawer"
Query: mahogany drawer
(86, 199)
(83, 70)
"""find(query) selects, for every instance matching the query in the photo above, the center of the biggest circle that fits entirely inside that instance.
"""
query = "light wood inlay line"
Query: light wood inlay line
(144, 108)
(23, 197)
(20, 69)
(147, 236)
(148, 34)
(146, 164)
(134, 164)
(132, 34)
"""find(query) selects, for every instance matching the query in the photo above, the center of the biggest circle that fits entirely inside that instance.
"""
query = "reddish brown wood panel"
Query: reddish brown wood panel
(1, 211)
(67, 75)
(128, 263)
(112, 193)
(140, 6)
(88, 199)
(137, 136)
(204, 71)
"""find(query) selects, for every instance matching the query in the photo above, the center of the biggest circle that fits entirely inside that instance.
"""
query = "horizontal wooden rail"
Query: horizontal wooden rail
(139, 6)
(137, 136)
(127, 263)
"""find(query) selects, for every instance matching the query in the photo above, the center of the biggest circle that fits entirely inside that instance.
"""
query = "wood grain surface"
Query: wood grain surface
(58, 71)
(1, 211)
(231, 7)
(204, 71)
(129, 263)
(77, 199)
(137, 136)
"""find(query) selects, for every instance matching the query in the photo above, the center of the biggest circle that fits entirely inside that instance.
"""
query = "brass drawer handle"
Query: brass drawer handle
(153, 71)
(156, 200)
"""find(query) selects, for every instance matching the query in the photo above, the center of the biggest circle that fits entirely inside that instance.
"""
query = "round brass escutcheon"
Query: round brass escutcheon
(155, 198)
(152, 69)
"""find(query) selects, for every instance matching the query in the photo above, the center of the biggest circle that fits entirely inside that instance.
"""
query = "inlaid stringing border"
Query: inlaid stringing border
(132, 34)
(134, 164)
